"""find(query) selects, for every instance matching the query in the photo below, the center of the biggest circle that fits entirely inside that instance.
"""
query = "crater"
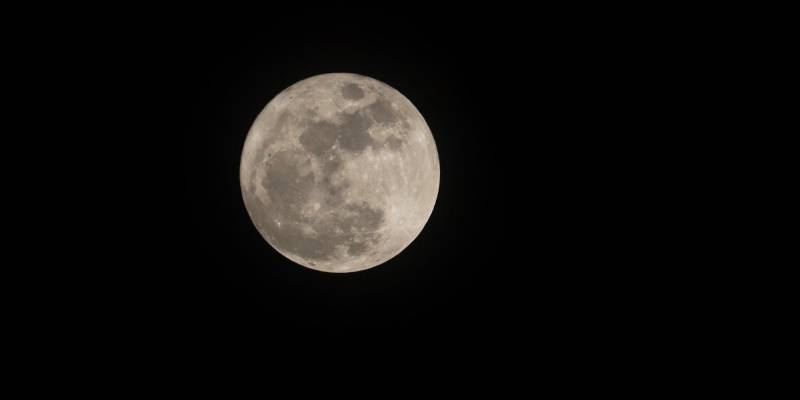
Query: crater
(393, 143)
(280, 128)
(351, 91)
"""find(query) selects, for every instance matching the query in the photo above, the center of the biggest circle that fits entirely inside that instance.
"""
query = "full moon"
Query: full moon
(339, 172)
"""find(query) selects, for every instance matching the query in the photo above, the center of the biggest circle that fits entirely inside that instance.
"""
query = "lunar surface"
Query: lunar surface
(339, 172)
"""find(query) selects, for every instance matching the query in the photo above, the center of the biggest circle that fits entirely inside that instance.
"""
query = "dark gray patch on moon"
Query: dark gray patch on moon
(361, 217)
(382, 112)
(356, 249)
(319, 137)
(353, 134)
(351, 91)
(284, 182)
(351, 225)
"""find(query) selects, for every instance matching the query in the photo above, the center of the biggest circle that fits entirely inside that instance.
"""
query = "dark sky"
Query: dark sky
(578, 238)
(530, 120)
(442, 286)
(540, 235)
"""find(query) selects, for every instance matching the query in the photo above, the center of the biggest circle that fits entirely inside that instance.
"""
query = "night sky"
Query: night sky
(539, 237)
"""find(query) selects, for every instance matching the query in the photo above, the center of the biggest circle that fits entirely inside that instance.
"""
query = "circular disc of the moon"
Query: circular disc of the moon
(339, 172)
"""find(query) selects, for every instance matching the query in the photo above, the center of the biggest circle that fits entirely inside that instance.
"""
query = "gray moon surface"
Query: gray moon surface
(339, 172)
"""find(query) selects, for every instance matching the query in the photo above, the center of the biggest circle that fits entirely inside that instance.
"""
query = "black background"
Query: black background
(530, 121)
(439, 288)
(579, 225)
(541, 239)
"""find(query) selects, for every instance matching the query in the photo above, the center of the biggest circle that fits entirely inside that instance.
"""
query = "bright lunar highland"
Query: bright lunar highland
(339, 172)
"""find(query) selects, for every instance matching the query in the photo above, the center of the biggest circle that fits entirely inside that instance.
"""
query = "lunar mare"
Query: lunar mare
(339, 172)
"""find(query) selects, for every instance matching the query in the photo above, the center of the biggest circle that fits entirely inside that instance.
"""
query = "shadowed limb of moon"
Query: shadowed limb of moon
(339, 172)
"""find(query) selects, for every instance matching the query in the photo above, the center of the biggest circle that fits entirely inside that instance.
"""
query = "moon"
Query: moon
(339, 172)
